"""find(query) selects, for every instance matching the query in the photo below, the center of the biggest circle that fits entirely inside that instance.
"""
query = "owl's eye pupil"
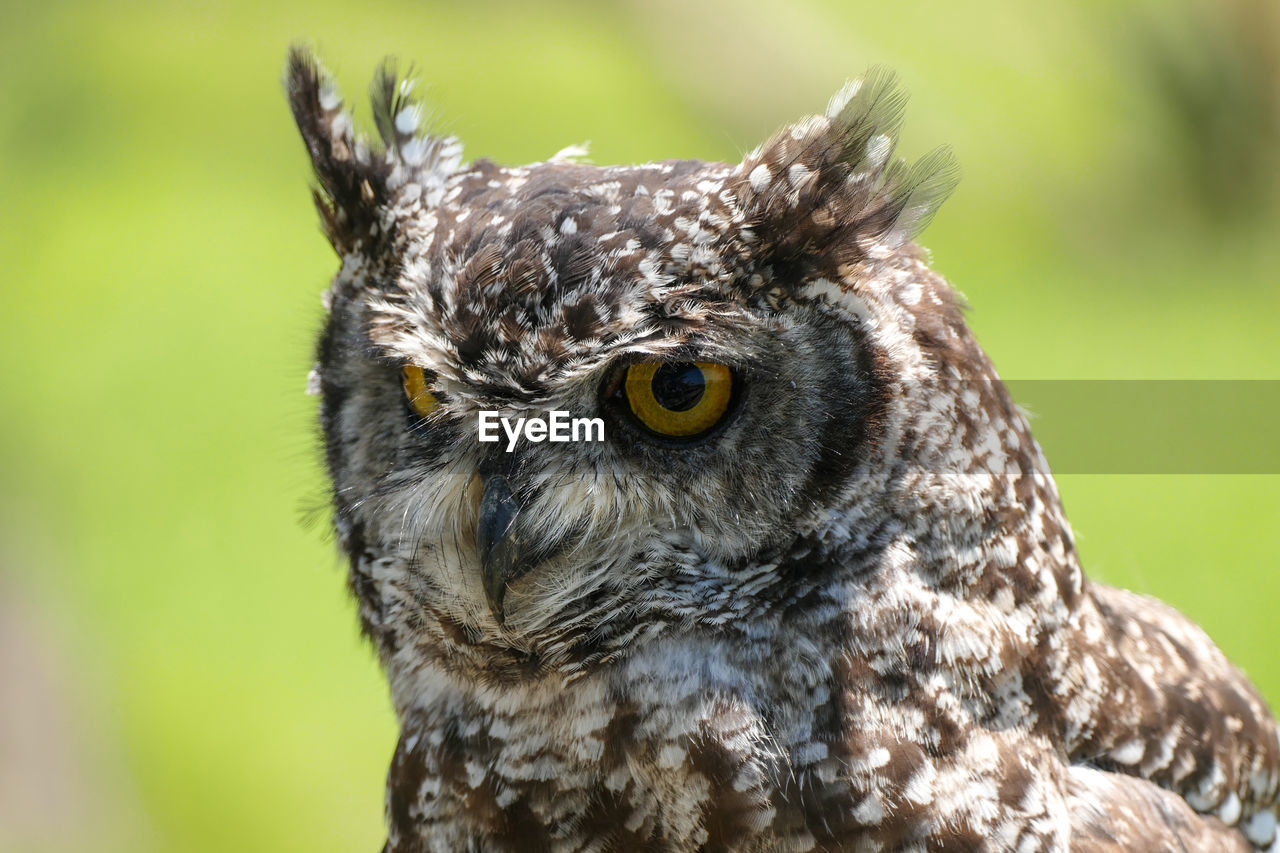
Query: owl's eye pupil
(678, 387)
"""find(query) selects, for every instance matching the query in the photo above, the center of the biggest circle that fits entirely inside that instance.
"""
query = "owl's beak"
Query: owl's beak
(505, 551)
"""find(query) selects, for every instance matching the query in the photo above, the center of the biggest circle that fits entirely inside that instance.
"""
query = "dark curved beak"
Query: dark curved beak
(505, 552)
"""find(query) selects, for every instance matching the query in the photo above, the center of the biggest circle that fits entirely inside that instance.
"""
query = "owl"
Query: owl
(802, 581)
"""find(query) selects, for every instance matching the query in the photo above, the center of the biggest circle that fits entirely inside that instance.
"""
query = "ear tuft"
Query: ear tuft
(426, 159)
(396, 112)
(357, 183)
(914, 193)
(867, 110)
(900, 200)
(351, 181)
(831, 182)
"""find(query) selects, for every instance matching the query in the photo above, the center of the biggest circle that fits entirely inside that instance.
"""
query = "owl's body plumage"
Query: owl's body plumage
(850, 617)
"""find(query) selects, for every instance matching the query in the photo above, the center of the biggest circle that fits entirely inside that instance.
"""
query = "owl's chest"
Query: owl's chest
(676, 752)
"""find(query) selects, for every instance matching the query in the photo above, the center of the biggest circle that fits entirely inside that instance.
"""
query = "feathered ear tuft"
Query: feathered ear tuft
(396, 112)
(832, 182)
(352, 181)
(358, 183)
(426, 159)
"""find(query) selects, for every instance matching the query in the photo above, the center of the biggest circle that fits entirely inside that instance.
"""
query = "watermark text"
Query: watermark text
(556, 427)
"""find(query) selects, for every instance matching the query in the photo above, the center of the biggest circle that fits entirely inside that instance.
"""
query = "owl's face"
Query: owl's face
(755, 339)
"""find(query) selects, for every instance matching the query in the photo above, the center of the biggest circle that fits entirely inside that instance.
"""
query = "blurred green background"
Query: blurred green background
(180, 668)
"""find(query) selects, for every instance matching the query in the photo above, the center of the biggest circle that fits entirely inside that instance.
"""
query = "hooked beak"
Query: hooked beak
(504, 549)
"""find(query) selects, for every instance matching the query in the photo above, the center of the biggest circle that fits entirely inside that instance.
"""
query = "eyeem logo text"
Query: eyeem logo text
(557, 426)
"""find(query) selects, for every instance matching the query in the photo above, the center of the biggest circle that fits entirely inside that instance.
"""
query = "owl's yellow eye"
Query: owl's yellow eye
(415, 389)
(679, 399)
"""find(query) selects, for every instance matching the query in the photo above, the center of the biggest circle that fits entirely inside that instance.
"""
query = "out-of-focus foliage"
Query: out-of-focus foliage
(179, 667)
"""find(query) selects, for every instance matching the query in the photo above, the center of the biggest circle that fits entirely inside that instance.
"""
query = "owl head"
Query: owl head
(788, 395)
